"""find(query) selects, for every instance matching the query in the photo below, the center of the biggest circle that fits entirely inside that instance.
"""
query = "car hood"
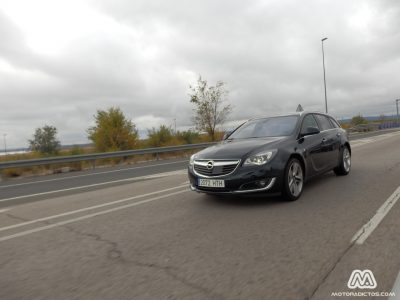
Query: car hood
(237, 149)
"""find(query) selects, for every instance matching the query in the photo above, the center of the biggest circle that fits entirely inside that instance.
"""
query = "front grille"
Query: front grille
(220, 167)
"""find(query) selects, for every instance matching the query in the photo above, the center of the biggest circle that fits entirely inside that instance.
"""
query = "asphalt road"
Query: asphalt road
(27, 189)
(149, 237)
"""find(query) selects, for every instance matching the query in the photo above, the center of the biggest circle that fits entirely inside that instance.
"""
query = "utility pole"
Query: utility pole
(323, 65)
(397, 108)
(5, 144)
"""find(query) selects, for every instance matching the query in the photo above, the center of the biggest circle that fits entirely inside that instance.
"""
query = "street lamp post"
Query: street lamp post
(175, 125)
(397, 108)
(323, 65)
(5, 144)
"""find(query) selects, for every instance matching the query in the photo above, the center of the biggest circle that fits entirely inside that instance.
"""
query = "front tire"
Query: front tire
(345, 162)
(293, 180)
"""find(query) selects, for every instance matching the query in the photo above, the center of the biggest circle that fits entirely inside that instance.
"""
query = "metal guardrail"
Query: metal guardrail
(96, 156)
(374, 127)
(364, 128)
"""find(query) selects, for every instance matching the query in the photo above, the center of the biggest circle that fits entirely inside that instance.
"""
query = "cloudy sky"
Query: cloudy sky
(60, 61)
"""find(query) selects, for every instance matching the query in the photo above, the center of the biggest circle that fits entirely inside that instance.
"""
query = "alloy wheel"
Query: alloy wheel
(346, 159)
(295, 179)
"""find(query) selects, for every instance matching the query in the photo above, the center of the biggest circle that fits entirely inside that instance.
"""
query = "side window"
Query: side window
(323, 122)
(308, 121)
(334, 123)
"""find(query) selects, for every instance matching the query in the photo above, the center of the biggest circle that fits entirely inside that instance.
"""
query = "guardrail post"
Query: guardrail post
(157, 157)
(94, 164)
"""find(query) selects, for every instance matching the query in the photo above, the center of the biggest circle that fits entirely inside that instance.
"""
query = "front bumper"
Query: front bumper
(242, 180)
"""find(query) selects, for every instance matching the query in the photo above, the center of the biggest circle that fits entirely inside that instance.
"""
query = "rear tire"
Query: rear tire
(345, 162)
(293, 180)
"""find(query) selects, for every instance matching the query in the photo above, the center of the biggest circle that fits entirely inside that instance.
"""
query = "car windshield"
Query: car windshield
(268, 127)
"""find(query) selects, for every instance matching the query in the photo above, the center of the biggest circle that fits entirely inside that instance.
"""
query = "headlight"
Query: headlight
(191, 160)
(260, 158)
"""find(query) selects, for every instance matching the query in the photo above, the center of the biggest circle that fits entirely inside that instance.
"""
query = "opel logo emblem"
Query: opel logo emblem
(210, 165)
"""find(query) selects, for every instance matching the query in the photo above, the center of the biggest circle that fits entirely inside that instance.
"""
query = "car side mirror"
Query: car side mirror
(226, 135)
(310, 131)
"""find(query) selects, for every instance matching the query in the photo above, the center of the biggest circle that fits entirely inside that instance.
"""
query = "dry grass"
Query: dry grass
(83, 165)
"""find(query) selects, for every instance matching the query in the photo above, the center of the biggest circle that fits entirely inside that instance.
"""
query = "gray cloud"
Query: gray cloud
(148, 52)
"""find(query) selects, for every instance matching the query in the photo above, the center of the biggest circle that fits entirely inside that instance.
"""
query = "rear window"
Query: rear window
(335, 124)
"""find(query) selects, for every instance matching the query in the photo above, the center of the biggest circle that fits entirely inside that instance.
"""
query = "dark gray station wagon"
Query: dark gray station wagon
(272, 154)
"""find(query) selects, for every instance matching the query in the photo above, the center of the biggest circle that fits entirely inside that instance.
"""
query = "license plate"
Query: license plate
(215, 183)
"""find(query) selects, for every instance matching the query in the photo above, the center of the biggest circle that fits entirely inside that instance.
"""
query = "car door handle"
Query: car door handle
(324, 140)
(338, 134)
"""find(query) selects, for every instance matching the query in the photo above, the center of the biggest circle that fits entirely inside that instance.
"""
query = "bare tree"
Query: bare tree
(211, 108)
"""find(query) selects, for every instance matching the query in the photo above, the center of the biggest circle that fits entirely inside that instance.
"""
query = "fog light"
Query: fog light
(254, 185)
(262, 183)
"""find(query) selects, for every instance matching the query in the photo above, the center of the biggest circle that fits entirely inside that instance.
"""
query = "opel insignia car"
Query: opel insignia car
(272, 154)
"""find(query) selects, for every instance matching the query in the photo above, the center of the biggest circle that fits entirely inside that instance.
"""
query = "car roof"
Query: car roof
(297, 113)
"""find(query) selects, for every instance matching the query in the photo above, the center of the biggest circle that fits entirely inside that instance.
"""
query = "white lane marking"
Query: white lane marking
(364, 141)
(365, 231)
(4, 210)
(98, 184)
(90, 208)
(359, 145)
(396, 289)
(91, 174)
(103, 212)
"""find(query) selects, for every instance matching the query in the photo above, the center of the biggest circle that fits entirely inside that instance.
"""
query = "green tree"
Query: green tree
(211, 109)
(160, 137)
(358, 120)
(113, 131)
(45, 140)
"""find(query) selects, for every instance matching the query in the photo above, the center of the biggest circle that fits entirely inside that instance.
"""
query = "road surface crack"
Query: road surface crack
(113, 253)
(173, 273)
(116, 254)
(338, 260)
(11, 216)
(169, 271)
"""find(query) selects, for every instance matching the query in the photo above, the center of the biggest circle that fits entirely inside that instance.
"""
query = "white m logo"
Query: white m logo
(362, 280)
